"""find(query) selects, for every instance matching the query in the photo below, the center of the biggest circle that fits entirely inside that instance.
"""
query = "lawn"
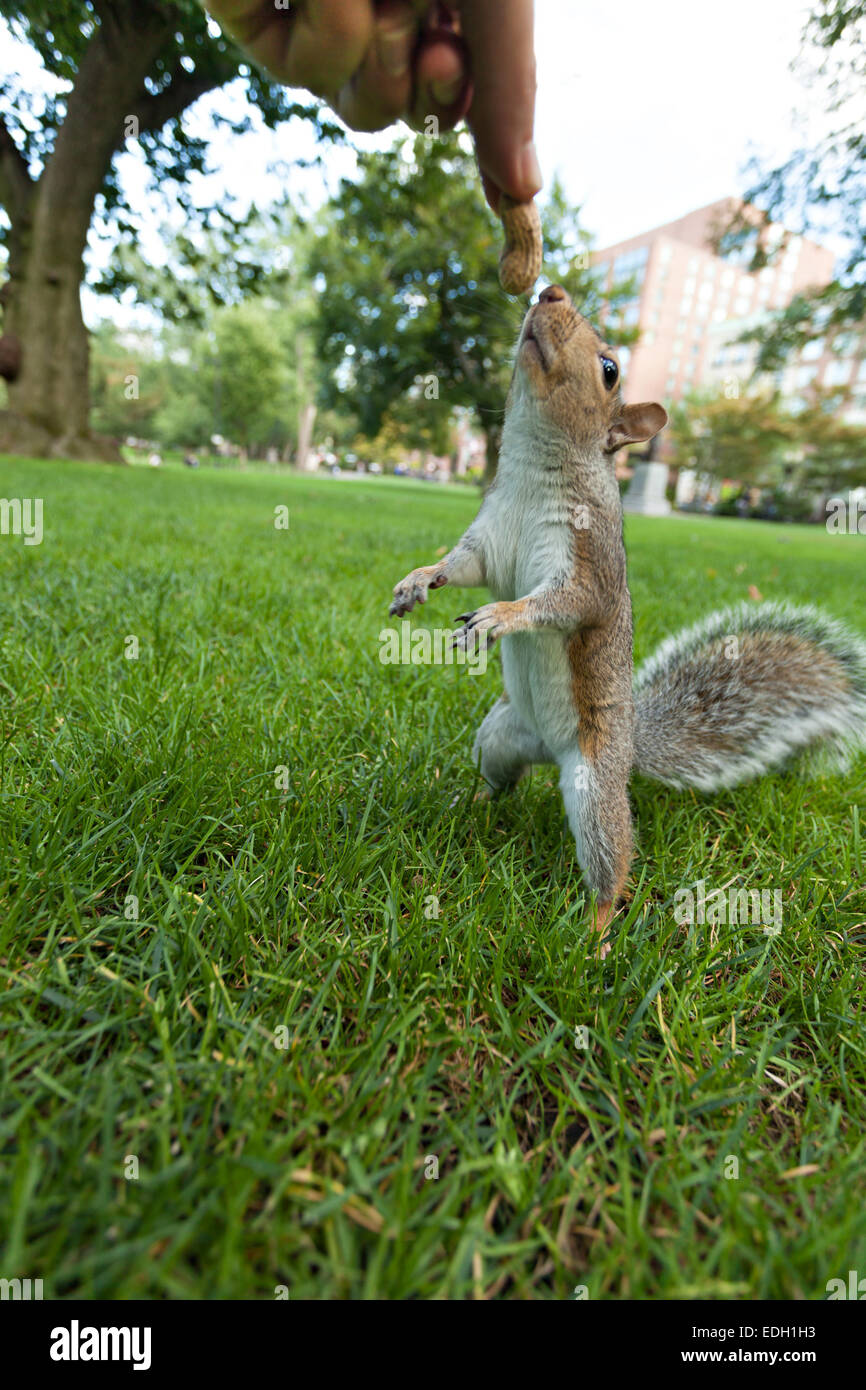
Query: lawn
(249, 1015)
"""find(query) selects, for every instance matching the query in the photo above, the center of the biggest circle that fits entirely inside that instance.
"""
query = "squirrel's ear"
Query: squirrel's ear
(635, 424)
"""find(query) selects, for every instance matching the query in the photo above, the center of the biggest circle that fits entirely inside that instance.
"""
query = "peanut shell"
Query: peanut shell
(520, 262)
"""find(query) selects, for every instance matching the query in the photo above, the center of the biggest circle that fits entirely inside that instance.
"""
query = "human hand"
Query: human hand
(379, 61)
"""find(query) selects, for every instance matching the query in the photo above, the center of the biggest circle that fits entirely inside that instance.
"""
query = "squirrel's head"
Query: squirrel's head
(566, 373)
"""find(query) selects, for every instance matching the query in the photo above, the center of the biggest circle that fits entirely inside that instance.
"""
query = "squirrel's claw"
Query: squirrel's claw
(480, 629)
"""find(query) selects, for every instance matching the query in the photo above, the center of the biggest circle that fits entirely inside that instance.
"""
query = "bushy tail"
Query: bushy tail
(740, 692)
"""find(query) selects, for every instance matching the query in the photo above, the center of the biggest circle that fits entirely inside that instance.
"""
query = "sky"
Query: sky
(645, 112)
(650, 110)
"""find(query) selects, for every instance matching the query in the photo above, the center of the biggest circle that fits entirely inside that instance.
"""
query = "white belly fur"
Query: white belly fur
(529, 541)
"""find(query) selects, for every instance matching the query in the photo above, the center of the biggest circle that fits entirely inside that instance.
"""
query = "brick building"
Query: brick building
(691, 304)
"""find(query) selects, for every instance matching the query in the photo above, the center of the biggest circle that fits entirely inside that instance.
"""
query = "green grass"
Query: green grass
(296, 916)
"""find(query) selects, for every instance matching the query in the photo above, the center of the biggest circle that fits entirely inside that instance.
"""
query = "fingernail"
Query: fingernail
(529, 168)
(446, 93)
(395, 50)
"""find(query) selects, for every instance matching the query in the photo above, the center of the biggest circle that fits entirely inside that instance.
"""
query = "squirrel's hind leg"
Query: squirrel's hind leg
(595, 792)
(506, 747)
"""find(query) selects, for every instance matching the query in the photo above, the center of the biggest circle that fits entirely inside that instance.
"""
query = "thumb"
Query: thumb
(499, 36)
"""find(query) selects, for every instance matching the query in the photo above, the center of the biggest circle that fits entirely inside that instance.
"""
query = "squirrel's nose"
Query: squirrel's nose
(552, 294)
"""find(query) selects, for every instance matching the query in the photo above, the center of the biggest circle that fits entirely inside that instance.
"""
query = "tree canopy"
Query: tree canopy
(758, 439)
(120, 74)
(820, 187)
(409, 303)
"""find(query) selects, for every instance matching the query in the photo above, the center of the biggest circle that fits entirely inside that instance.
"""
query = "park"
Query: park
(291, 1008)
(407, 1034)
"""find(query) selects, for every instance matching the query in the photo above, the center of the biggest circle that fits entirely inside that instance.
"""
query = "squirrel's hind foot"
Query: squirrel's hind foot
(602, 917)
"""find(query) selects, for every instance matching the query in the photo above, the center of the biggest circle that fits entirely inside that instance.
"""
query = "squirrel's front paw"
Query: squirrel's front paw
(481, 628)
(413, 589)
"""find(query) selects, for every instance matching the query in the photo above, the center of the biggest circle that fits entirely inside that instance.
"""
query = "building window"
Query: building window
(838, 373)
(845, 344)
(812, 351)
(631, 264)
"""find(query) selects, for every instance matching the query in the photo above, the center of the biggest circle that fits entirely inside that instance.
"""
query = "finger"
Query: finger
(442, 80)
(502, 114)
(317, 45)
(491, 191)
(380, 91)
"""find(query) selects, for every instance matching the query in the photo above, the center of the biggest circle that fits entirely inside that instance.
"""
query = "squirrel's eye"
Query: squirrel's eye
(610, 372)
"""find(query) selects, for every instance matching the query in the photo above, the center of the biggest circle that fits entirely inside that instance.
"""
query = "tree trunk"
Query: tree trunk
(306, 411)
(49, 395)
(49, 399)
(307, 417)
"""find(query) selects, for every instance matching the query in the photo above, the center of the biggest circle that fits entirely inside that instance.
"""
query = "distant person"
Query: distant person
(190, 460)
(154, 459)
(379, 63)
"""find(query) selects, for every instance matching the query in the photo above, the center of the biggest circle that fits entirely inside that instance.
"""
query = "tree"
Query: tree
(757, 440)
(248, 372)
(818, 187)
(126, 71)
(745, 438)
(833, 449)
(410, 306)
(249, 377)
(129, 382)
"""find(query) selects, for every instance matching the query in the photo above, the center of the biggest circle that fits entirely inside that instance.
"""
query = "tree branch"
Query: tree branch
(155, 110)
(16, 185)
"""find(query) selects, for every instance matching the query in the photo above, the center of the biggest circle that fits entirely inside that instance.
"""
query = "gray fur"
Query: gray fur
(707, 720)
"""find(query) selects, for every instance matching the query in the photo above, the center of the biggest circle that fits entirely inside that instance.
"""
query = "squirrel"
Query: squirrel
(726, 700)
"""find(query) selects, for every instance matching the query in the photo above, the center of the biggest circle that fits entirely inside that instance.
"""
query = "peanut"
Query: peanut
(520, 262)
